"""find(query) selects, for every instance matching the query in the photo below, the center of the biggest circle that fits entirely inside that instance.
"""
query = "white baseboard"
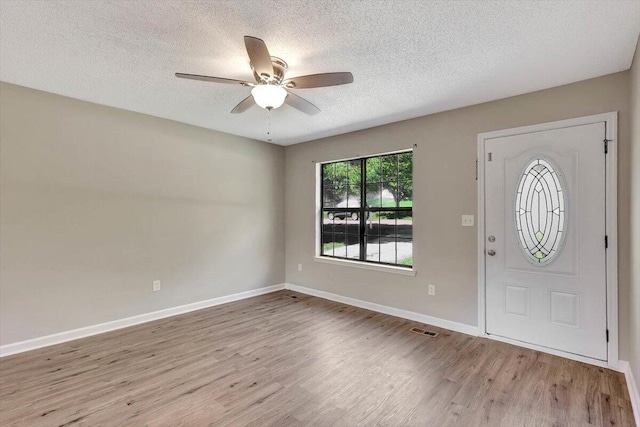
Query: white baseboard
(48, 340)
(74, 334)
(405, 314)
(634, 392)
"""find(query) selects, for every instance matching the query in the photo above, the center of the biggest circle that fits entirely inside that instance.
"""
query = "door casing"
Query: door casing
(611, 224)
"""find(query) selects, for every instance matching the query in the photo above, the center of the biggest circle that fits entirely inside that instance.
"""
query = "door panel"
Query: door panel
(545, 212)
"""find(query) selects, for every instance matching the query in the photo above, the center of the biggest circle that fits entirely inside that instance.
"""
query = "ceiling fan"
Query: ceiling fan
(271, 89)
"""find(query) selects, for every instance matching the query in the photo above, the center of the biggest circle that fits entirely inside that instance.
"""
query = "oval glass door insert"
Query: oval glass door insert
(540, 211)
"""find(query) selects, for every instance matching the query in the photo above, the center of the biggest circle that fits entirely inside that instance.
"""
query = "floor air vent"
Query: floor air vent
(423, 332)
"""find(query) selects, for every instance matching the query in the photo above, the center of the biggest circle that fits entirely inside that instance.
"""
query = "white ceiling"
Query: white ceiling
(408, 58)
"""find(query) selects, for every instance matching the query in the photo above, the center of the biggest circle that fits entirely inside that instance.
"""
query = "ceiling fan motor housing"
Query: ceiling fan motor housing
(280, 68)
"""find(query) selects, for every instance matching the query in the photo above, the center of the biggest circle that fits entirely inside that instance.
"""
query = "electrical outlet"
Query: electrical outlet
(299, 267)
(156, 285)
(431, 289)
(467, 220)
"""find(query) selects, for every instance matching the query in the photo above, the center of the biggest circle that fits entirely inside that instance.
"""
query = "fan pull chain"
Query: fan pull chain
(269, 125)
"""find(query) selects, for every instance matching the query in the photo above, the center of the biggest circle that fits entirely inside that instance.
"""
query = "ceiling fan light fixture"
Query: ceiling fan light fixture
(270, 89)
(269, 96)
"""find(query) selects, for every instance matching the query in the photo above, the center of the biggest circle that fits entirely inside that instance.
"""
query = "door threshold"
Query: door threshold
(554, 352)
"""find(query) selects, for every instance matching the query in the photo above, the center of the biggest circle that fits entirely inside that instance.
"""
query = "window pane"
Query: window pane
(372, 226)
(353, 196)
(387, 223)
(539, 212)
(405, 194)
(404, 225)
(405, 166)
(373, 169)
(335, 184)
(372, 237)
(389, 194)
(390, 168)
(341, 171)
(388, 251)
(373, 249)
(347, 221)
(333, 196)
(327, 244)
(333, 244)
(374, 195)
(328, 173)
(328, 198)
(405, 251)
(387, 237)
(354, 174)
(352, 222)
(341, 245)
(334, 223)
(352, 248)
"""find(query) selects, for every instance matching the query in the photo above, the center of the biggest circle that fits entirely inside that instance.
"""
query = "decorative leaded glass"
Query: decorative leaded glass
(540, 211)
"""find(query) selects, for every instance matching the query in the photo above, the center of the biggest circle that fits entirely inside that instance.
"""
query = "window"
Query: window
(380, 230)
(540, 211)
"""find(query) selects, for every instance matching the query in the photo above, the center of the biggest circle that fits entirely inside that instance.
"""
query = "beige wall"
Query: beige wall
(445, 188)
(634, 299)
(97, 202)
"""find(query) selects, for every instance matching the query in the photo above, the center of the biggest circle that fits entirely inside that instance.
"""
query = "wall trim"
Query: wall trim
(74, 334)
(634, 392)
(87, 331)
(366, 265)
(469, 330)
(405, 314)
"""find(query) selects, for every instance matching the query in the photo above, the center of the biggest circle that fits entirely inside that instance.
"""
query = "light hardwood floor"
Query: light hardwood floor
(286, 359)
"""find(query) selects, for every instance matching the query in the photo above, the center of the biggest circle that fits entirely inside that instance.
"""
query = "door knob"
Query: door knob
(491, 252)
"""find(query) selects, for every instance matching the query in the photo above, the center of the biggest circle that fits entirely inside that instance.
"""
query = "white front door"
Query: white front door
(545, 259)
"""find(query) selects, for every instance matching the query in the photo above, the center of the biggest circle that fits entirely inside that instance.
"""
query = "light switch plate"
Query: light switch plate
(467, 220)
(156, 285)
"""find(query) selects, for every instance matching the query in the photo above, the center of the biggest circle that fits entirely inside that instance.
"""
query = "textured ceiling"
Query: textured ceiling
(408, 58)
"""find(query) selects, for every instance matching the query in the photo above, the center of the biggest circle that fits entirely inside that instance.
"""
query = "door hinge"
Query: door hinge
(476, 169)
(489, 157)
(606, 242)
(607, 335)
(606, 145)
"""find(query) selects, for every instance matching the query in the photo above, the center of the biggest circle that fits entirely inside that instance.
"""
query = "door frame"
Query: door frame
(611, 225)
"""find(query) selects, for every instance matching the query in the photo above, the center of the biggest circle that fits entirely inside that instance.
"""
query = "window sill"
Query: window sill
(367, 266)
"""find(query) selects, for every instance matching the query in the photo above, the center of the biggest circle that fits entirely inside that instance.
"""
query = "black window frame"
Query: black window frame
(363, 210)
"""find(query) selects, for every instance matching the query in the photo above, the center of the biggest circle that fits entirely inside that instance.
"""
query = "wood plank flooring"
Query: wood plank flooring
(287, 359)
